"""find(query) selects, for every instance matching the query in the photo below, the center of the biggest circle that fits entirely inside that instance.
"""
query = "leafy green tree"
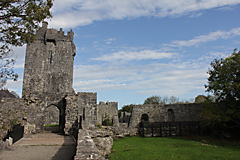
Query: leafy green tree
(19, 20)
(153, 100)
(165, 100)
(224, 84)
(224, 78)
(200, 99)
(125, 108)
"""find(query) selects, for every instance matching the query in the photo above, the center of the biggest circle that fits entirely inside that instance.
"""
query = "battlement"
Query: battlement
(45, 34)
(108, 103)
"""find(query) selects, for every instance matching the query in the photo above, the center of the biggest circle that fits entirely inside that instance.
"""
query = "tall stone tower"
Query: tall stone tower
(49, 63)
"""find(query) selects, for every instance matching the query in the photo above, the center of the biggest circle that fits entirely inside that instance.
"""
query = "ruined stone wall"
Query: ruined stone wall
(26, 112)
(109, 111)
(162, 113)
(87, 98)
(12, 111)
(124, 117)
(49, 63)
(81, 107)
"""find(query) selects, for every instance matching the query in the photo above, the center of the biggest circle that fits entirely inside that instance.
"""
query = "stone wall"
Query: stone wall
(86, 148)
(94, 143)
(125, 117)
(12, 111)
(165, 113)
(108, 110)
(49, 63)
(81, 108)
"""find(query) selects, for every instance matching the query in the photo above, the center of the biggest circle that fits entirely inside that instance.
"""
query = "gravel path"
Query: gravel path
(44, 146)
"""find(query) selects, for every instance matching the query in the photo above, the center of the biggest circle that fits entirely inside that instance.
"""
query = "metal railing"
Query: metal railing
(165, 129)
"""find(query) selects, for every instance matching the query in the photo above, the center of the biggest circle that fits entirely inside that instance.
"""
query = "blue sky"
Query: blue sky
(132, 49)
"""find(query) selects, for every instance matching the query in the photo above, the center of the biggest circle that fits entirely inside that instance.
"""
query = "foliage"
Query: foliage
(165, 100)
(19, 20)
(99, 126)
(224, 83)
(169, 148)
(200, 99)
(224, 78)
(51, 125)
(125, 108)
(107, 121)
(153, 100)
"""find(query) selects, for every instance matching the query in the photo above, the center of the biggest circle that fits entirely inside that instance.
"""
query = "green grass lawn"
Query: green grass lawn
(51, 125)
(158, 148)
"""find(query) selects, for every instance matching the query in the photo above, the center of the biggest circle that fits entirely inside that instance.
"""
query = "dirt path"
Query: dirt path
(42, 146)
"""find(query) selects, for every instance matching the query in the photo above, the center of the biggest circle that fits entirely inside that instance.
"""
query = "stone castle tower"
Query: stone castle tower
(49, 63)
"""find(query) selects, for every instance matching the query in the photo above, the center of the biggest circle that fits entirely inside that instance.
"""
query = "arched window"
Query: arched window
(144, 118)
(170, 115)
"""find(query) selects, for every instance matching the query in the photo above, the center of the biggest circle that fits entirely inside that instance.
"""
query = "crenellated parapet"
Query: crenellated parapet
(49, 34)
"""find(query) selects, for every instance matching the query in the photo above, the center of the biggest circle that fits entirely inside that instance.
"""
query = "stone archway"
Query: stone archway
(51, 119)
(144, 118)
(51, 115)
(54, 110)
(170, 115)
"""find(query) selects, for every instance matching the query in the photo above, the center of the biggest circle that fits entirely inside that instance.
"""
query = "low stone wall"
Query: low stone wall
(94, 143)
(86, 148)
(12, 112)
(123, 130)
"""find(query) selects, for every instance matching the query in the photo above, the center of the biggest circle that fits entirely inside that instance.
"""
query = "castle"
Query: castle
(48, 96)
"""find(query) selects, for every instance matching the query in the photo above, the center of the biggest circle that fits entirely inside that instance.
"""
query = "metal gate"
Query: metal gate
(16, 133)
(165, 129)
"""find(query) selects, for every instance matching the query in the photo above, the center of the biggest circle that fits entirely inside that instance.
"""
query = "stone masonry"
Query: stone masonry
(48, 98)
(49, 63)
(165, 113)
(47, 95)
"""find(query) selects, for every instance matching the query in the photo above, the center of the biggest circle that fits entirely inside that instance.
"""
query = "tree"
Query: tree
(164, 100)
(224, 84)
(19, 20)
(200, 99)
(153, 100)
(224, 78)
(125, 108)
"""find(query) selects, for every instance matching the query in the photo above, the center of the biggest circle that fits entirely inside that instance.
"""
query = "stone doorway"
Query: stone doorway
(144, 118)
(51, 119)
(170, 115)
(55, 112)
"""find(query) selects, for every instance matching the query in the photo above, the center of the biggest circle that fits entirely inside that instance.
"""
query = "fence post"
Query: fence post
(189, 131)
(180, 129)
(143, 129)
(160, 129)
(152, 130)
(170, 132)
(199, 129)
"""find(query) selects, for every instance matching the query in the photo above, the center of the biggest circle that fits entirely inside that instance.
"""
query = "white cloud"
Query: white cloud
(19, 55)
(135, 55)
(213, 36)
(73, 13)
(110, 40)
(154, 78)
